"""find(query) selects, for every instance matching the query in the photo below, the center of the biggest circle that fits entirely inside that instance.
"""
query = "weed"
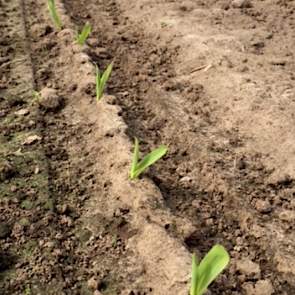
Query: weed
(138, 167)
(36, 96)
(101, 80)
(205, 272)
(54, 14)
(28, 290)
(115, 241)
(82, 37)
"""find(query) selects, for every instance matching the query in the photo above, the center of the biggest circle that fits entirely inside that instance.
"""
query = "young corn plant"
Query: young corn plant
(54, 14)
(82, 37)
(137, 166)
(101, 80)
(205, 272)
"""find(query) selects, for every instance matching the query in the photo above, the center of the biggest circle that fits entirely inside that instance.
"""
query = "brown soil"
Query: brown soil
(214, 80)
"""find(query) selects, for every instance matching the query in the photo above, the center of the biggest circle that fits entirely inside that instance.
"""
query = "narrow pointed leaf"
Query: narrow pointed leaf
(210, 267)
(82, 37)
(134, 159)
(54, 14)
(150, 159)
(97, 82)
(105, 77)
(194, 279)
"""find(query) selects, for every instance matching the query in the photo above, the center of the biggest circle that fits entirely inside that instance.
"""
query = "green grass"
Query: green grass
(54, 14)
(205, 272)
(139, 167)
(82, 37)
(101, 80)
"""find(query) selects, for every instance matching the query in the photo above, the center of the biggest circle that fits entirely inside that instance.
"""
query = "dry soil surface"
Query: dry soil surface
(213, 80)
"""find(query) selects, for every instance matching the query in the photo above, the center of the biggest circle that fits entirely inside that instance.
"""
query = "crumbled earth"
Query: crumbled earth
(213, 80)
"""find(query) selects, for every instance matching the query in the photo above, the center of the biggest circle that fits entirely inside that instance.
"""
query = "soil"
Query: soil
(213, 80)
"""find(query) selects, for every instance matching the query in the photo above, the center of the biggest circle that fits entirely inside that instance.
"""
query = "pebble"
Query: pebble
(31, 139)
(263, 206)
(22, 112)
(92, 283)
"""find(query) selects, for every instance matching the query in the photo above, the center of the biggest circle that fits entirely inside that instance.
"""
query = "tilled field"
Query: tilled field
(213, 80)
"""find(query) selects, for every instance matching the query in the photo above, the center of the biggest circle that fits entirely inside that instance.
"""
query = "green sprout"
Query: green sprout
(101, 80)
(205, 272)
(82, 37)
(54, 14)
(138, 167)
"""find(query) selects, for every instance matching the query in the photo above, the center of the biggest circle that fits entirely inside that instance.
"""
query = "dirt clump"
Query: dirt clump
(49, 100)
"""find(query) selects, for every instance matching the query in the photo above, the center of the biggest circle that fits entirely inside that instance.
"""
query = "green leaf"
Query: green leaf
(210, 267)
(54, 15)
(135, 158)
(105, 77)
(97, 82)
(150, 159)
(194, 279)
(82, 37)
(102, 80)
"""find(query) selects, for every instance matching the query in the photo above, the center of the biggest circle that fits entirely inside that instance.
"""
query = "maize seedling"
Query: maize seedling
(54, 14)
(138, 167)
(205, 272)
(101, 80)
(82, 37)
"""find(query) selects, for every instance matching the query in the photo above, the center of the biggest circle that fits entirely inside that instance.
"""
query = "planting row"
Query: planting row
(203, 272)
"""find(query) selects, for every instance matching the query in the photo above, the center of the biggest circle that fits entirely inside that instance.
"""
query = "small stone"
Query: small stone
(263, 206)
(92, 283)
(248, 267)
(4, 230)
(31, 139)
(241, 4)
(22, 112)
(13, 188)
(31, 123)
(185, 179)
(49, 100)
(62, 209)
